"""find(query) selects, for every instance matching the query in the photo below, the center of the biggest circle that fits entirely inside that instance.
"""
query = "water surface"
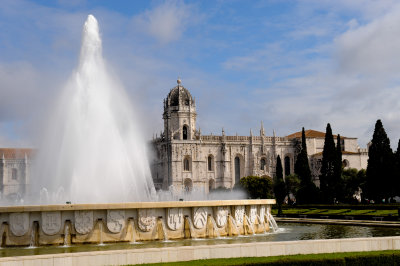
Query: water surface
(287, 232)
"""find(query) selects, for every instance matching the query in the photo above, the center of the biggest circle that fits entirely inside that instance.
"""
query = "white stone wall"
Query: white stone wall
(14, 185)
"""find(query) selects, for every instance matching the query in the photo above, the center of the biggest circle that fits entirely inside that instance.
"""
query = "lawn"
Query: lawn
(286, 259)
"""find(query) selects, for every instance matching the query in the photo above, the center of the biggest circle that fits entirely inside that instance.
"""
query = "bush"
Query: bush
(257, 187)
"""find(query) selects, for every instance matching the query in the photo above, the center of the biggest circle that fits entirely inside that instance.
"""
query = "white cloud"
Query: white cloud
(372, 49)
(166, 22)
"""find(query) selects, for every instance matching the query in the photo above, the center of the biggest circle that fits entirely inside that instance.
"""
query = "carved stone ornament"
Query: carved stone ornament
(239, 214)
(147, 219)
(19, 223)
(199, 217)
(51, 222)
(253, 213)
(222, 216)
(262, 214)
(175, 218)
(83, 221)
(115, 220)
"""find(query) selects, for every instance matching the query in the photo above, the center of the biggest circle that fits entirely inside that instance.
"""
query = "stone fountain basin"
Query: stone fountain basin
(39, 225)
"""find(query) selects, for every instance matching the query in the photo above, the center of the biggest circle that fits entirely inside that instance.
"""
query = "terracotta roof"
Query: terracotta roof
(343, 153)
(15, 153)
(310, 134)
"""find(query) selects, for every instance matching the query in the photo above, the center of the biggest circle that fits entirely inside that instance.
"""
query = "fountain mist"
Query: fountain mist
(93, 149)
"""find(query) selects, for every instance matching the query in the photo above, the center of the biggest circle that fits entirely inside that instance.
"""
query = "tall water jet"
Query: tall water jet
(93, 149)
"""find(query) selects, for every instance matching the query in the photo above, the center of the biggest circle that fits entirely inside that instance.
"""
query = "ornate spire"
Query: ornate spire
(262, 132)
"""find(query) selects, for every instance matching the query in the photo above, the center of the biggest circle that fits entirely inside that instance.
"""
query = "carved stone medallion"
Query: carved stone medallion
(115, 220)
(222, 216)
(147, 219)
(175, 218)
(83, 221)
(19, 223)
(199, 217)
(239, 214)
(253, 213)
(51, 222)
(262, 213)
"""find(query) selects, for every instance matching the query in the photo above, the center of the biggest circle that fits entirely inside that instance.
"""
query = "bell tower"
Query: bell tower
(179, 114)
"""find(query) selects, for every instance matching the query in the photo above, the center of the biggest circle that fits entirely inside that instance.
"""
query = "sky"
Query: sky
(290, 64)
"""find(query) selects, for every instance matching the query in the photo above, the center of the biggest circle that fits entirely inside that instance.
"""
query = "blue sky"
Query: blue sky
(287, 63)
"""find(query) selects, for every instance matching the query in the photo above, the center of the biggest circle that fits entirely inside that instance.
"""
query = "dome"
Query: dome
(179, 95)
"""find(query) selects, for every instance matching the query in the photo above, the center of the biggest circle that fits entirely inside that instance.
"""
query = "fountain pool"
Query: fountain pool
(286, 232)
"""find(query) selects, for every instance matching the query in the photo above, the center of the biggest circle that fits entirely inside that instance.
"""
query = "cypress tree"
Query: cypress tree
(327, 175)
(307, 192)
(380, 171)
(301, 167)
(397, 170)
(279, 185)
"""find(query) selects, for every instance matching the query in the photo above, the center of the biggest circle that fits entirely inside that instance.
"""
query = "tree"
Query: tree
(292, 185)
(397, 169)
(337, 172)
(279, 185)
(380, 171)
(301, 167)
(307, 193)
(257, 187)
(353, 181)
(327, 175)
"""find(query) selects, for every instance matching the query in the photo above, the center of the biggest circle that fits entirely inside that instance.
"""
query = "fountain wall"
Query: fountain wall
(129, 222)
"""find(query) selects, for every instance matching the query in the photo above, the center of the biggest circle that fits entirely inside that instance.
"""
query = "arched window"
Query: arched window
(14, 174)
(185, 132)
(188, 185)
(186, 164)
(262, 164)
(210, 163)
(237, 170)
(287, 165)
(345, 163)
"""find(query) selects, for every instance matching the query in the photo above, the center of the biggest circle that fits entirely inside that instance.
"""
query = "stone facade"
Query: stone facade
(186, 159)
(15, 166)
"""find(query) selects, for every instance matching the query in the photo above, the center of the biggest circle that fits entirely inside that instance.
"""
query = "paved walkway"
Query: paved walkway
(337, 221)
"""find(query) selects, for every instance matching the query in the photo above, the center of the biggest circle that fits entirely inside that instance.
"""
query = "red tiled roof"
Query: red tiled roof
(343, 153)
(309, 134)
(15, 153)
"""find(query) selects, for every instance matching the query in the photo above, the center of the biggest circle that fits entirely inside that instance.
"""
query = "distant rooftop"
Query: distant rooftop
(15, 153)
(311, 134)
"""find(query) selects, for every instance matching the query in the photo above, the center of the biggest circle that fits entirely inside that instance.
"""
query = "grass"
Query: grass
(288, 259)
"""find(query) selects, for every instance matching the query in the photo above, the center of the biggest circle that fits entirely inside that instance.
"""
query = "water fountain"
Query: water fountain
(95, 157)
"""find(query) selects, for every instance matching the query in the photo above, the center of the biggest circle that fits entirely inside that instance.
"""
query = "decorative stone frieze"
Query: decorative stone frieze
(262, 213)
(83, 221)
(222, 216)
(199, 217)
(175, 218)
(19, 223)
(115, 220)
(239, 214)
(51, 222)
(252, 213)
(147, 219)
